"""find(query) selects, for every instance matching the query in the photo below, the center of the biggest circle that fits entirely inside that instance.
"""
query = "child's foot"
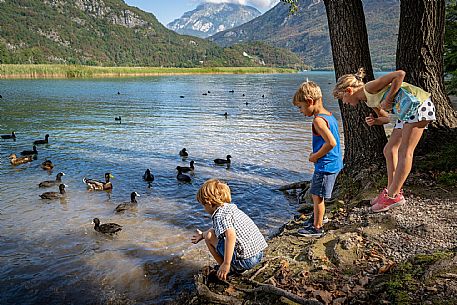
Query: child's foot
(374, 200)
(310, 221)
(386, 203)
(311, 232)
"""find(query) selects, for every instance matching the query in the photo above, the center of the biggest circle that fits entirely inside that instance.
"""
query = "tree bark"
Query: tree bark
(348, 36)
(420, 53)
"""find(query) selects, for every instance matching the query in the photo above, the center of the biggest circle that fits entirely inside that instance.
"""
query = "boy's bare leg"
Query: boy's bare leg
(391, 154)
(211, 242)
(411, 134)
(319, 211)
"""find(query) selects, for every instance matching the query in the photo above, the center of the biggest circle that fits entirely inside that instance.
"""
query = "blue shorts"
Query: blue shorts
(239, 265)
(322, 184)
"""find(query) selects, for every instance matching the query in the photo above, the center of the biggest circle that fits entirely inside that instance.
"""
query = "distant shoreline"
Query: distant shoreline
(29, 71)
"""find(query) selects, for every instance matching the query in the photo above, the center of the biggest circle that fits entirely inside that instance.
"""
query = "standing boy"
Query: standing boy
(326, 154)
(235, 242)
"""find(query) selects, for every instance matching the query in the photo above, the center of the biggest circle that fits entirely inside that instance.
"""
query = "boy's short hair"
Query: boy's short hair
(214, 192)
(307, 90)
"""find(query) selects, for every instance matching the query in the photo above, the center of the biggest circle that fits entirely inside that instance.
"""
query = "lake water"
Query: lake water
(49, 251)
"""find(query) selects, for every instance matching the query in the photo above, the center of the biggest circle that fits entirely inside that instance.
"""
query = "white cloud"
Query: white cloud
(261, 4)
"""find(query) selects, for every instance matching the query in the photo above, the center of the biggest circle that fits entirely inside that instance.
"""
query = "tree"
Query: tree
(420, 53)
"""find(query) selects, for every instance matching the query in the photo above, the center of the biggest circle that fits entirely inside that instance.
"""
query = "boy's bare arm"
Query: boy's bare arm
(230, 238)
(320, 125)
(197, 236)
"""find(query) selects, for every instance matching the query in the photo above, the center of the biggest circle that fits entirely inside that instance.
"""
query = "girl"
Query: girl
(414, 110)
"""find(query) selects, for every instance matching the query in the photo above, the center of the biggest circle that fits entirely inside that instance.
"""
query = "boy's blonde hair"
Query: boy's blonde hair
(349, 80)
(214, 192)
(307, 90)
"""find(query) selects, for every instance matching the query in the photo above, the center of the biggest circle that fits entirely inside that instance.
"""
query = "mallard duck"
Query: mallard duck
(183, 153)
(55, 195)
(9, 136)
(98, 185)
(106, 228)
(223, 161)
(182, 177)
(147, 176)
(186, 169)
(47, 165)
(128, 205)
(21, 160)
(45, 141)
(52, 182)
(29, 152)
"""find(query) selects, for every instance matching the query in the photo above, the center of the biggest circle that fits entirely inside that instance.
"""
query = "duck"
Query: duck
(98, 185)
(47, 165)
(181, 96)
(30, 152)
(148, 176)
(118, 119)
(226, 115)
(223, 161)
(55, 195)
(106, 228)
(183, 153)
(14, 160)
(45, 141)
(182, 177)
(186, 169)
(9, 136)
(231, 91)
(205, 94)
(128, 205)
(49, 183)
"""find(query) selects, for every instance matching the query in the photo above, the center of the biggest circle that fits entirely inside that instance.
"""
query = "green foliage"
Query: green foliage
(450, 47)
(293, 5)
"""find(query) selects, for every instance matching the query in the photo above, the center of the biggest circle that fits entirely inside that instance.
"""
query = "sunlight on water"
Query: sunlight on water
(49, 250)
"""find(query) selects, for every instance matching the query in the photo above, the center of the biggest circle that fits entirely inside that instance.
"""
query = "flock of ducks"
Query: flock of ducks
(96, 185)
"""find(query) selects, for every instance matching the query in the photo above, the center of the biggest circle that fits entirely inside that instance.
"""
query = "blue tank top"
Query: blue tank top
(332, 162)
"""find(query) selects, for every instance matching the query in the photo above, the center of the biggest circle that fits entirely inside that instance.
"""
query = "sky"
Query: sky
(169, 10)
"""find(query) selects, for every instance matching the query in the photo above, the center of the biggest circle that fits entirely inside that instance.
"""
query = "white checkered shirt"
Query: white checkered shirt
(249, 240)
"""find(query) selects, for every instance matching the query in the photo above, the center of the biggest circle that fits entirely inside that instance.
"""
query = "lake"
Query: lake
(49, 251)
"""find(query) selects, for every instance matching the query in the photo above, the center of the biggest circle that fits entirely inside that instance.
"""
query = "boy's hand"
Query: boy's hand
(198, 235)
(370, 120)
(312, 158)
(224, 269)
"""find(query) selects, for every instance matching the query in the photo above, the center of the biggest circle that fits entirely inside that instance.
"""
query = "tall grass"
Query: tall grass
(77, 71)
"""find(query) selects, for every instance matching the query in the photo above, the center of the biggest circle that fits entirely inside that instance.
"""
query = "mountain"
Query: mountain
(306, 32)
(111, 33)
(209, 18)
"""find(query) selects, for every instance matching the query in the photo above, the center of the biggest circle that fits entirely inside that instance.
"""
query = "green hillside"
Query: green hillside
(111, 33)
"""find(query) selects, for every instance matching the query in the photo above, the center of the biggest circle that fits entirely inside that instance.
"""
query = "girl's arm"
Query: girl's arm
(320, 125)
(383, 117)
(395, 79)
(224, 268)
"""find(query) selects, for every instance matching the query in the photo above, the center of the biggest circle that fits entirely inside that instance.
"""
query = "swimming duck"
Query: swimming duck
(98, 185)
(205, 94)
(49, 183)
(226, 115)
(118, 119)
(9, 136)
(47, 165)
(181, 96)
(128, 205)
(186, 169)
(231, 91)
(183, 153)
(45, 141)
(21, 160)
(223, 161)
(55, 195)
(182, 177)
(147, 176)
(106, 228)
(29, 152)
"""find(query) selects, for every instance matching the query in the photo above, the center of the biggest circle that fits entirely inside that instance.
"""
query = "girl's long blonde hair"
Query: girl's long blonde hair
(349, 80)
(214, 192)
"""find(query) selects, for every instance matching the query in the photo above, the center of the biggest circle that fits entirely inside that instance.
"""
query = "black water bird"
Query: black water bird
(247, 103)
(181, 96)
(231, 91)
(128, 205)
(148, 176)
(226, 115)
(1, 96)
(55, 195)
(205, 94)
(9, 136)
(209, 91)
(223, 161)
(118, 119)
(106, 228)
(118, 93)
(186, 169)
(30, 152)
(244, 94)
(183, 153)
(45, 141)
(263, 95)
(49, 183)
(182, 177)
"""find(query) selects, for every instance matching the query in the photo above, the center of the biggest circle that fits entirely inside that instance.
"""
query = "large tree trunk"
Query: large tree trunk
(349, 40)
(420, 53)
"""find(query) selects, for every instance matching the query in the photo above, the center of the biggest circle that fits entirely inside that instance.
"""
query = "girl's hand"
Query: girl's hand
(197, 237)
(224, 269)
(386, 105)
(312, 158)
(370, 120)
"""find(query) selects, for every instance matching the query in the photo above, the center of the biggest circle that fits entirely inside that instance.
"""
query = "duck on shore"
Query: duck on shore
(55, 195)
(14, 160)
(128, 205)
(99, 185)
(106, 228)
(49, 183)
(45, 141)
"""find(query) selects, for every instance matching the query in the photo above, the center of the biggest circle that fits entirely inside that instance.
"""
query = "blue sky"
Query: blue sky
(167, 11)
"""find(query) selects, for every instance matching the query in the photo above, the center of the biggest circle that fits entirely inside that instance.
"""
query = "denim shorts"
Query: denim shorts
(322, 184)
(239, 265)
